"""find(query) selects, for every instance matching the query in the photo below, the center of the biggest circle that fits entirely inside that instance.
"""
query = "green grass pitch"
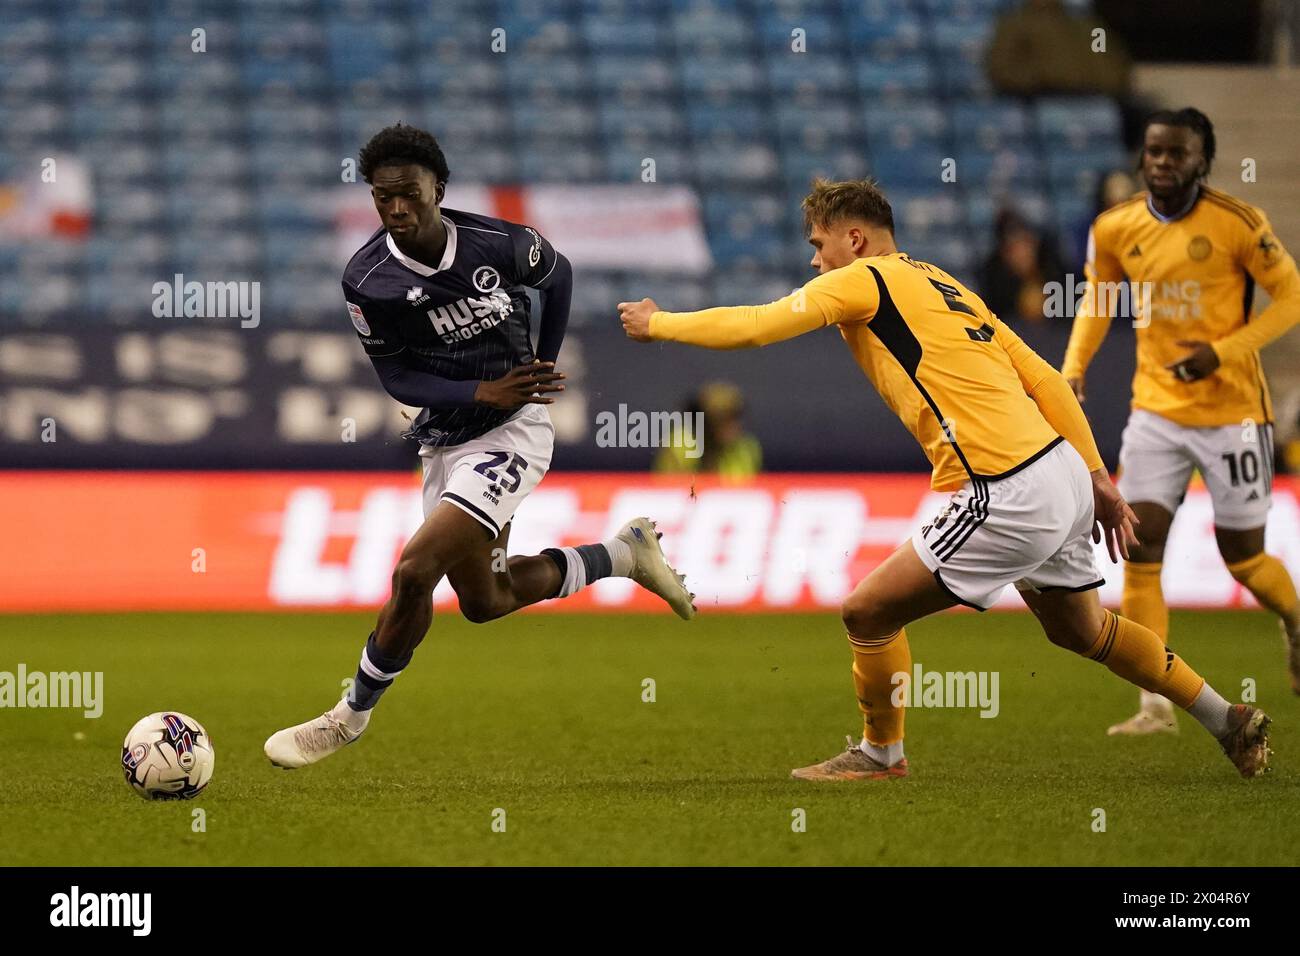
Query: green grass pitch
(543, 716)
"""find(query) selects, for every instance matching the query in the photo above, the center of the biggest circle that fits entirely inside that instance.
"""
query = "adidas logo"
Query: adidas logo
(1136, 250)
(1253, 496)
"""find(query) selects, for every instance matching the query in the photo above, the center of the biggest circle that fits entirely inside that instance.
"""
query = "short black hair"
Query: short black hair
(1188, 118)
(401, 145)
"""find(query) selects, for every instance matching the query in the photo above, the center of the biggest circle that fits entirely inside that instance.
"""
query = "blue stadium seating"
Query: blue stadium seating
(219, 160)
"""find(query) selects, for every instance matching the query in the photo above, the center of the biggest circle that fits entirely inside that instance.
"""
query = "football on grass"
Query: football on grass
(167, 756)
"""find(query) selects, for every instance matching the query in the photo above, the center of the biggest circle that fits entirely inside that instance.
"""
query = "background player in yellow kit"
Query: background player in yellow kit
(1199, 395)
(1003, 431)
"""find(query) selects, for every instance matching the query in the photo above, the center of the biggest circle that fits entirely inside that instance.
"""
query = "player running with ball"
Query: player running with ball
(438, 298)
(1199, 396)
(1003, 432)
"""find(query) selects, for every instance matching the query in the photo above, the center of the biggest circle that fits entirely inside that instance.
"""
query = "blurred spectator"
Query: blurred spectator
(725, 447)
(1013, 276)
(1116, 186)
(1042, 48)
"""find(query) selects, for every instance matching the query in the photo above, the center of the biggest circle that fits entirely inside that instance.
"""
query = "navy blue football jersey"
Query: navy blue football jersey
(465, 319)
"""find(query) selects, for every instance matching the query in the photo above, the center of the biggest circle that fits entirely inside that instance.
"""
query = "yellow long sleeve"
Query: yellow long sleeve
(1092, 321)
(1053, 396)
(733, 327)
(1086, 335)
(1283, 284)
(1055, 399)
(843, 295)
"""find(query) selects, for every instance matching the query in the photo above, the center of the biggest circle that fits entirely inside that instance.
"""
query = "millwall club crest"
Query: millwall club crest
(415, 295)
(486, 279)
(358, 319)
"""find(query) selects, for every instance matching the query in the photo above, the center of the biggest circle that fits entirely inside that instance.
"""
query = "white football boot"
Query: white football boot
(1156, 716)
(651, 569)
(313, 740)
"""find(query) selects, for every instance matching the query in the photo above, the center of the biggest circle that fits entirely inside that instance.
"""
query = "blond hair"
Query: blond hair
(832, 202)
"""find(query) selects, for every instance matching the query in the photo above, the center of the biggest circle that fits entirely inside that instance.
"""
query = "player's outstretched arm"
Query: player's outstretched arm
(826, 300)
(730, 327)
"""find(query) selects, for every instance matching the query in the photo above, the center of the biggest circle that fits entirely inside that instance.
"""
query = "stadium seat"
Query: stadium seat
(1077, 122)
(705, 31)
(992, 124)
(999, 168)
(741, 118)
(809, 82)
(1079, 174)
(918, 123)
(734, 75)
(639, 74)
(820, 35)
(657, 119)
(902, 33)
(623, 34)
(906, 76)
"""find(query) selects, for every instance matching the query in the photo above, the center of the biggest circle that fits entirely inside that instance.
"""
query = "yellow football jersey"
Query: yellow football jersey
(1194, 279)
(952, 372)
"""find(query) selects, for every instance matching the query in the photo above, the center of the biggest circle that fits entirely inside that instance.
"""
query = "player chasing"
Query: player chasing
(438, 298)
(1003, 432)
(1199, 396)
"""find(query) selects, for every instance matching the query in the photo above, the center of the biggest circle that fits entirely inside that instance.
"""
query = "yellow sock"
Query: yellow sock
(1143, 600)
(875, 662)
(1136, 654)
(1266, 577)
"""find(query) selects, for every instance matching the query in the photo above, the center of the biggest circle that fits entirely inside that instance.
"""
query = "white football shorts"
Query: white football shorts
(487, 477)
(1157, 456)
(1032, 529)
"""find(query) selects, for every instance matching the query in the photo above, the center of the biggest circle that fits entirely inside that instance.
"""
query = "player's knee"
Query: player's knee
(1069, 638)
(414, 579)
(1072, 632)
(865, 615)
(478, 610)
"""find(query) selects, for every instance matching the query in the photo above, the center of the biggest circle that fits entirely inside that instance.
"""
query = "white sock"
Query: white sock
(575, 573)
(1211, 710)
(884, 754)
(620, 555)
(353, 720)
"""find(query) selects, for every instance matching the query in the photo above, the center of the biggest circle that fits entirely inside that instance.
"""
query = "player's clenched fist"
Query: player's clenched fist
(636, 318)
(522, 385)
(1201, 361)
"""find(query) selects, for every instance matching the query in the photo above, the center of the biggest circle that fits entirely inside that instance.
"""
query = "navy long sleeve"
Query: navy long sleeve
(422, 389)
(556, 295)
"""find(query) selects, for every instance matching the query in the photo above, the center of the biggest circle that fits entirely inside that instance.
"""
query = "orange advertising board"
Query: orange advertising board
(98, 541)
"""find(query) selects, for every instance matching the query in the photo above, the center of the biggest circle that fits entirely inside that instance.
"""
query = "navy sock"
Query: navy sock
(580, 566)
(375, 674)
